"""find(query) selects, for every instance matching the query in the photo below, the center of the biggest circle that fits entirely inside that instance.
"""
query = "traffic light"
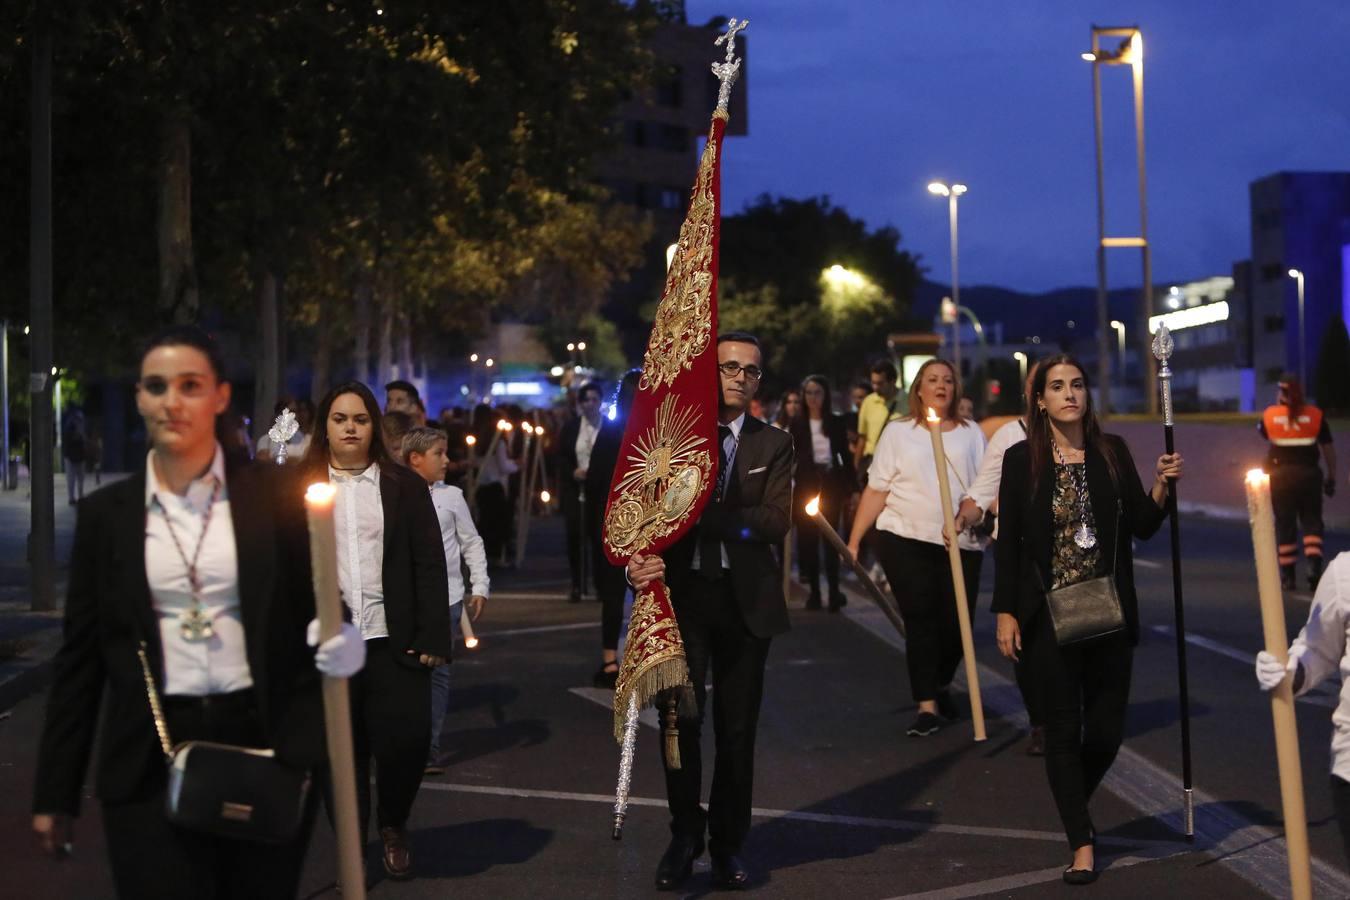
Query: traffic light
(992, 391)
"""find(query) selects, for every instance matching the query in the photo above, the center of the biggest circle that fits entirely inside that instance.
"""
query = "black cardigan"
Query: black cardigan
(1026, 527)
(810, 475)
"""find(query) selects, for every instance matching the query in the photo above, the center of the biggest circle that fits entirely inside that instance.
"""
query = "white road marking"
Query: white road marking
(1148, 563)
(541, 629)
(1318, 696)
(1254, 852)
(1041, 876)
(793, 815)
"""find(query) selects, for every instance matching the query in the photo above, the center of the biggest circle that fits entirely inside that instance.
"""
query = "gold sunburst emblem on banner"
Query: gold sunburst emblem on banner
(665, 475)
(683, 324)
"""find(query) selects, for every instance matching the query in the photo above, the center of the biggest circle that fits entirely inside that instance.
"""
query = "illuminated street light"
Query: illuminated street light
(556, 371)
(1120, 344)
(473, 357)
(581, 345)
(1297, 275)
(571, 347)
(489, 362)
(952, 193)
(1021, 366)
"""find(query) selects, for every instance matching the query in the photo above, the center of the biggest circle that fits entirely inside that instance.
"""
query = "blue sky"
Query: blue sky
(869, 100)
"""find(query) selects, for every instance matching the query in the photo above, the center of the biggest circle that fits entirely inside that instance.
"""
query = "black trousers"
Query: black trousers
(391, 721)
(1340, 798)
(715, 636)
(1296, 495)
(921, 580)
(152, 859)
(1084, 690)
(610, 588)
(494, 520)
(575, 519)
(809, 541)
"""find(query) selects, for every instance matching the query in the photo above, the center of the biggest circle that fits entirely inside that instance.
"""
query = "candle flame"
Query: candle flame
(1257, 478)
(471, 643)
(321, 493)
(527, 427)
(470, 439)
(545, 496)
(506, 425)
(539, 430)
(813, 505)
(933, 417)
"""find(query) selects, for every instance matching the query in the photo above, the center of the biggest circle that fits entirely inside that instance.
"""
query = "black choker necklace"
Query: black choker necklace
(350, 468)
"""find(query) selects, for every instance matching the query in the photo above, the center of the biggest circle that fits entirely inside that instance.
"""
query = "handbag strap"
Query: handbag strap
(156, 710)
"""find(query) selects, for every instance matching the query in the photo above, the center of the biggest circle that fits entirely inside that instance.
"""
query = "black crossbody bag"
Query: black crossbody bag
(242, 793)
(1088, 609)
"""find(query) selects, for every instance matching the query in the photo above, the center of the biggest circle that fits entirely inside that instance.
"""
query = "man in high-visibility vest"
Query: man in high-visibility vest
(1297, 431)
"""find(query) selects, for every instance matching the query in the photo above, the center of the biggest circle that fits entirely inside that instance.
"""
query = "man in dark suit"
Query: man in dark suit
(727, 592)
(575, 443)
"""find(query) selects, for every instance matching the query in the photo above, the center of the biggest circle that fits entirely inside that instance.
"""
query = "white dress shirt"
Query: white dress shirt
(985, 489)
(586, 435)
(497, 468)
(359, 514)
(218, 664)
(1320, 649)
(820, 443)
(903, 467)
(460, 538)
(735, 425)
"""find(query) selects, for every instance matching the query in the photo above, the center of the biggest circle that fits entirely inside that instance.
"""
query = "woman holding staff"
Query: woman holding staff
(902, 499)
(1069, 502)
(204, 567)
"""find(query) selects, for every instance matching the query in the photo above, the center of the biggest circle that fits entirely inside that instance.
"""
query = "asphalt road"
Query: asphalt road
(846, 804)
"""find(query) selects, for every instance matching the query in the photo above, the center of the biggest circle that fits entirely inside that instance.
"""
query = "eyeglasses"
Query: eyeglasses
(732, 369)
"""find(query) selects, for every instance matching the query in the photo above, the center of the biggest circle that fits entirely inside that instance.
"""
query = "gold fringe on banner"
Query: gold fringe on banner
(653, 656)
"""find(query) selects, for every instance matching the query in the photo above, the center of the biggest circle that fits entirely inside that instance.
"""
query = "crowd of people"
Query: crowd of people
(191, 610)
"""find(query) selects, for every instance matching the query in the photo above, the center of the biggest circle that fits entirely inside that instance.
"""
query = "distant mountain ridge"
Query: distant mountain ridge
(1046, 315)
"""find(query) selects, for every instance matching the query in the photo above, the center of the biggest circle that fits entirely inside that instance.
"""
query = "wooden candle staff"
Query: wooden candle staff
(336, 701)
(958, 576)
(837, 542)
(1282, 697)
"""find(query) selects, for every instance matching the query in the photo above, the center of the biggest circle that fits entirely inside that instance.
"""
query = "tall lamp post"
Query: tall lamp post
(952, 192)
(1297, 275)
(1021, 368)
(1130, 52)
(1119, 326)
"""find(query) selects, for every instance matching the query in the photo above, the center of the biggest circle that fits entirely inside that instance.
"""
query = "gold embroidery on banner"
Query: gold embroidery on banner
(655, 661)
(683, 325)
(665, 474)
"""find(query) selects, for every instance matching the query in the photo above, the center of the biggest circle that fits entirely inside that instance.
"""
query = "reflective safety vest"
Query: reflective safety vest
(1284, 430)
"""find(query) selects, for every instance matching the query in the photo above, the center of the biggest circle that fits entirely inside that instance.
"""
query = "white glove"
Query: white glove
(342, 655)
(1270, 672)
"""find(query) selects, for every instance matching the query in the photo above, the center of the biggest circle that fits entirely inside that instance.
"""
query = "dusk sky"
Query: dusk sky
(868, 100)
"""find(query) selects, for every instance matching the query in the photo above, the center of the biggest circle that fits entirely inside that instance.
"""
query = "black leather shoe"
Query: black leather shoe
(1080, 876)
(729, 872)
(678, 861)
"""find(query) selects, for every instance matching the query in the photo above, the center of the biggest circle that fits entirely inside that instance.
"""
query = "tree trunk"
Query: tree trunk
(361, 353)
(405, 366)
(266, 383)
(178, 298)
(321, 376)
(385, 367)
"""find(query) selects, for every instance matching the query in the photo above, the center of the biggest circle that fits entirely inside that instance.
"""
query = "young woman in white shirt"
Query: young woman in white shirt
(902, 500)
(392, 575)
(204, 566)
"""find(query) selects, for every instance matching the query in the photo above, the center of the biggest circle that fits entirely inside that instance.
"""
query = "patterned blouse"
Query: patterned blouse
(1070, 563)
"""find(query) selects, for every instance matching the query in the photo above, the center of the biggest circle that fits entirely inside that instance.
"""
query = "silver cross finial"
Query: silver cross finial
(727, 71)
(1162, 351)
(280, 434)
(1162, 344)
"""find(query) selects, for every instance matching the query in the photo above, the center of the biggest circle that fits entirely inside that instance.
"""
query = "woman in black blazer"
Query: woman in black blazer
(391, 571)
(824, 468)
(221, 605)
(1069, 502)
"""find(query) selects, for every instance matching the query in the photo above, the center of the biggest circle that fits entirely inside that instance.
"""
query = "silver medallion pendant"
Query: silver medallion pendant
(1084, 537)
(195, 625)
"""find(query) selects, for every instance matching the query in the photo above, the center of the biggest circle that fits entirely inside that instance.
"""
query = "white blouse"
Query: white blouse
(903, 467)
(820, 443)
(359, 514)
(218, 664)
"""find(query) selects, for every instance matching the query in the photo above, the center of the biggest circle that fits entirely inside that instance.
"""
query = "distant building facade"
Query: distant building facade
(1299, 220)
(1210, 322)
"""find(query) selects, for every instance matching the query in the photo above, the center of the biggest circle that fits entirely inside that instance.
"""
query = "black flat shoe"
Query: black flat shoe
(678, 861)
(607, 676)
(1080, 876)
(924, 724)
(729, 872)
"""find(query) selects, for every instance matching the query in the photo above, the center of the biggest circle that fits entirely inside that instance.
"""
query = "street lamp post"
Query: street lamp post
(1021, 368)
(1119, 326)
(952, 192)
(1297, 275)
(1130, 52)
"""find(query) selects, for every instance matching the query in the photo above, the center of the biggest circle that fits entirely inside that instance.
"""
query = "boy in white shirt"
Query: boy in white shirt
(424, 451)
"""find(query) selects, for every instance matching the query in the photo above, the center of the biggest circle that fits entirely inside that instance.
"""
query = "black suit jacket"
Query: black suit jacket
(109, 611)
(1120, 509)
(809, 474)
(416, 589)
(751, 519)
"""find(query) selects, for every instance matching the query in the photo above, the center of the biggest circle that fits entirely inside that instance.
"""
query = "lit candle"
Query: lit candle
(319, 503)
(958, 576)
(1282, 698)
(466, 626)
(837, 542)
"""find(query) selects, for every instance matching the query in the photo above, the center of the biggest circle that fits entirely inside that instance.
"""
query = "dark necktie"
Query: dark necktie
(709, 547)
